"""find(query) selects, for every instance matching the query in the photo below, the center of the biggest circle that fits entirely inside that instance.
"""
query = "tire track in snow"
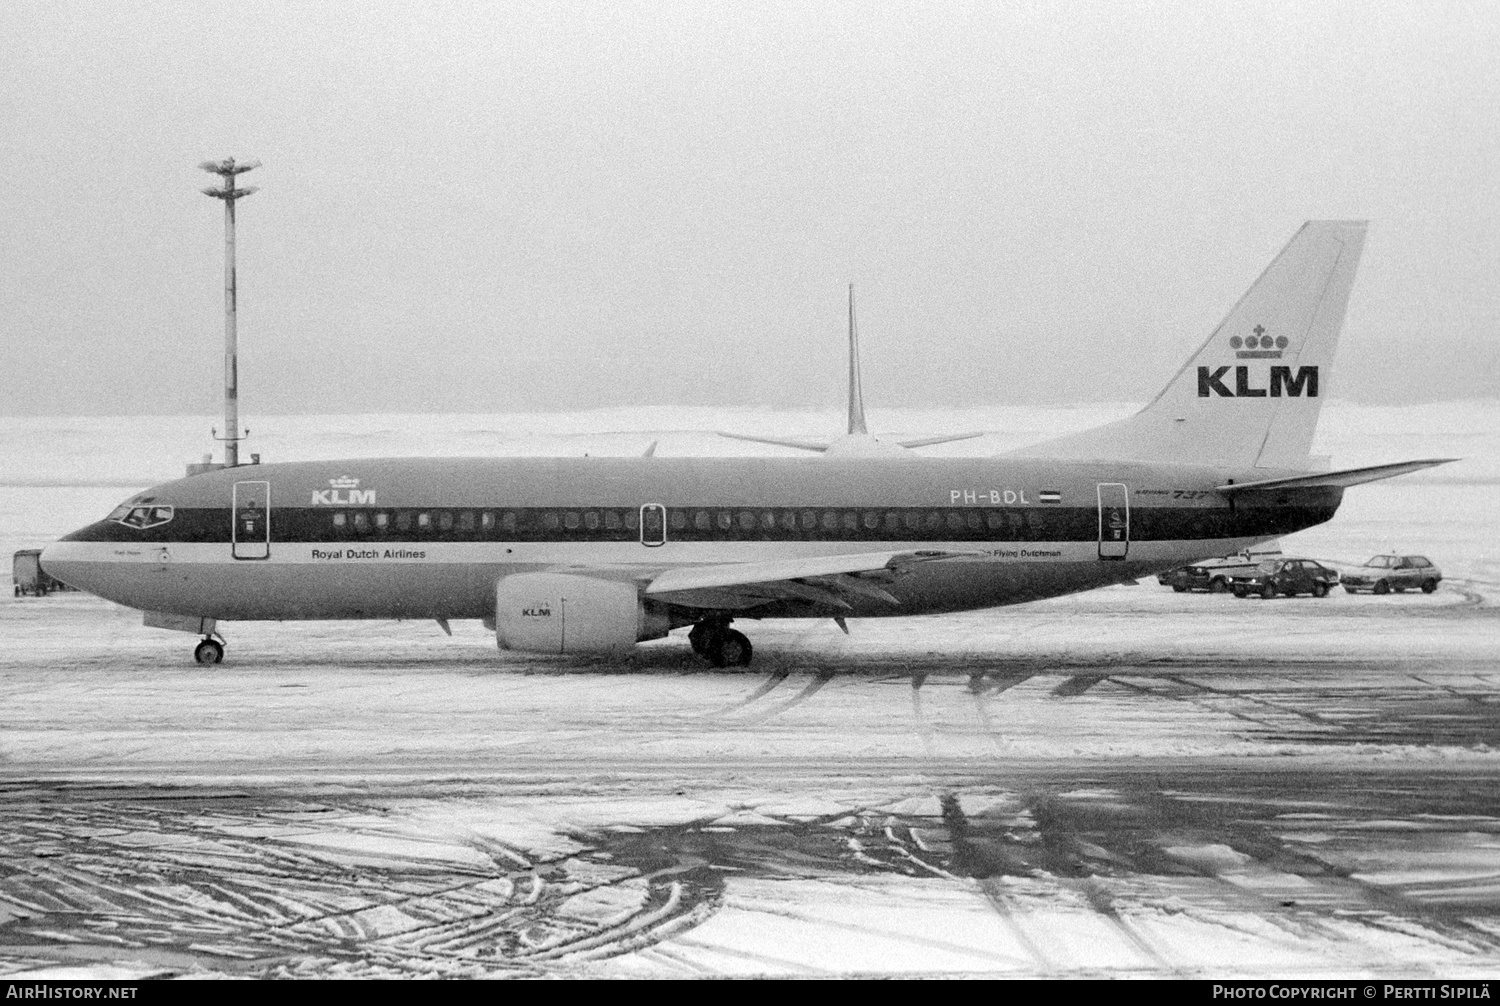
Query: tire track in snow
(924, 731)
(774, 679)
(813, 687)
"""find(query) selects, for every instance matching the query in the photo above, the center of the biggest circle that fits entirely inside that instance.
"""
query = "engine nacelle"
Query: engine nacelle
(565, 613)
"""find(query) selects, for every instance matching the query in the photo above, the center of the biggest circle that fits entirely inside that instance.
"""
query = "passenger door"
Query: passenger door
(1114, 520)
(250, 533)
(653, 525)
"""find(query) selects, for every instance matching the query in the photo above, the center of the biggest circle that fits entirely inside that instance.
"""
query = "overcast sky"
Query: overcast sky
(504, 206)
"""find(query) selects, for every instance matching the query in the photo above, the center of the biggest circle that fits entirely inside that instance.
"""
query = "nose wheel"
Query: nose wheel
(209, 651)
(716, 642)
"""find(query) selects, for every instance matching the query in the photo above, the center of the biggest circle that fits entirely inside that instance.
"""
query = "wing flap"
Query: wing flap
(773, 572)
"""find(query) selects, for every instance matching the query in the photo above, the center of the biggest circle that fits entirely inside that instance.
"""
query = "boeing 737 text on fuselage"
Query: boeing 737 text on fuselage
(586, 555)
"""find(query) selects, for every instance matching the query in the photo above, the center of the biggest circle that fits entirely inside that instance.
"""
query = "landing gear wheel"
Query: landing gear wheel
(1179, 588)
(1268, 591)
(1382, 587)
(1428, 586)
(210, 651)
(699, 637)
(729, 649)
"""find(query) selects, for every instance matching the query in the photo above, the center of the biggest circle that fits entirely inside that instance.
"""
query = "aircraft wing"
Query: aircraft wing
(801, 445)
(827, 581)
(1346, 477)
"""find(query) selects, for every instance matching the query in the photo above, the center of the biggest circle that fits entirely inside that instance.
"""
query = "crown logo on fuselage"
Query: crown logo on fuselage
(344, 482)
(1258, 345)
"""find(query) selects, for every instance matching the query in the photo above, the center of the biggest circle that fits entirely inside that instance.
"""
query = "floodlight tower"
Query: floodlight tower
(228, 169)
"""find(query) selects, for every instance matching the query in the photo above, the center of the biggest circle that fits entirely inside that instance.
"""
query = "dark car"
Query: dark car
(1385, 573)
(1213, 575)
(1285, 576)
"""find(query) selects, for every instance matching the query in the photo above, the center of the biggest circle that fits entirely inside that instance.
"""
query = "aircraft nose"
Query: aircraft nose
(56, 563)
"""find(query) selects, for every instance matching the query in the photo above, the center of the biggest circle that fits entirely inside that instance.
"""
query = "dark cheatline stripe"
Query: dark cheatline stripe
(291, 525)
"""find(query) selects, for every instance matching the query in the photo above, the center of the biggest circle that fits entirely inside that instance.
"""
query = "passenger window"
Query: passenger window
(912, 519)
(747, 520)
(724, 519)
(933, 521)
(768, 520)
(508, 521)
(955, 521)
(993, 520)
(871, 520)
(830, 520)
(466, 521)
(424, 522)
(340, 519)
(403, 520)
(551, 521)
(571, 521)
(382, 521)
(892, 520)
(591, 520)
(700, 520)
(850, 520)
(677, 520)
(809, 520)
(361, 522)
(972, 520)
(632, 520)
(612, 520)
(789, 520)
(487, 521)
(445, 520)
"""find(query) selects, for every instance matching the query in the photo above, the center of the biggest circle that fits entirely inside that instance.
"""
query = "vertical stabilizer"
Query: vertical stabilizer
(856, 388)
(1251, 394)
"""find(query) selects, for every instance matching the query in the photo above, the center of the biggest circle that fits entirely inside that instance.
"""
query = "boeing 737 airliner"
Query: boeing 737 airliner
(576, 555)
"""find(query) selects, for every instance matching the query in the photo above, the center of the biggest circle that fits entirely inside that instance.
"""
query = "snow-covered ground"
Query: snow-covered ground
(1125, 782)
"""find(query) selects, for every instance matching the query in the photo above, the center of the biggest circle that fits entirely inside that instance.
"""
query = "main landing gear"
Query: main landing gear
(209, 651)
(713, 640)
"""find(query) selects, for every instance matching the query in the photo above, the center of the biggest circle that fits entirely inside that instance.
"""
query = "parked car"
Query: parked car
(1212, 575)
(1285, 576)
(29, 577)
(1385, 573)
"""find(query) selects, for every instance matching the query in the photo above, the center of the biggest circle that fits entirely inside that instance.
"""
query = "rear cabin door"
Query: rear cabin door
(1114, 520)
(251, 535)
(653, 525)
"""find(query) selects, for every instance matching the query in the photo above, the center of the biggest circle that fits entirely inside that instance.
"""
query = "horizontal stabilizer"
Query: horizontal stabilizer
(1344, 478)
(801, 445)
(929, 441)
(739, 573)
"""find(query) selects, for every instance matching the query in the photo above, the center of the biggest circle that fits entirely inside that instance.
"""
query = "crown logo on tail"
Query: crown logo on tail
(1258, 345)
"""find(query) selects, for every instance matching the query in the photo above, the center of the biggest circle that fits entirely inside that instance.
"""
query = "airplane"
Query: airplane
(596, 554)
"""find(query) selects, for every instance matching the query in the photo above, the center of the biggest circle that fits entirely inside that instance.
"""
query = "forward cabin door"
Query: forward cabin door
(251, 534)
(1114, 520)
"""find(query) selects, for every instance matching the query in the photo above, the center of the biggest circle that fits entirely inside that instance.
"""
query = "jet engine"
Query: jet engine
(566, 613)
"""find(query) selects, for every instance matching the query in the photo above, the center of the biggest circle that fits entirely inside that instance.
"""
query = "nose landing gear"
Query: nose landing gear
(209, 651)
(713, 640)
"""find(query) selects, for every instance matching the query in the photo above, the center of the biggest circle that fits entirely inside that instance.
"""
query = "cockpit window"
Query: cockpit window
(141, 517)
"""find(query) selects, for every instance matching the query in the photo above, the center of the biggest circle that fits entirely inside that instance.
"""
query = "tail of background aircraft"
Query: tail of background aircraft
(1251, 394)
